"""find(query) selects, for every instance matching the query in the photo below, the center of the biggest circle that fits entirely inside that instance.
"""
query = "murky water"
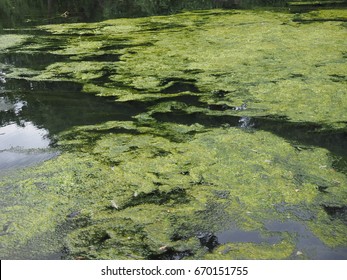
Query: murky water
(165, 148)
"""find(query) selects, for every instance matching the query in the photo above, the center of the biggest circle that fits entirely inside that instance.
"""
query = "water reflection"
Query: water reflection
(20, 141)
(7, 105)
(58, 11)
(237, 235)
(33, 113)
(19, 159)
(25, 136)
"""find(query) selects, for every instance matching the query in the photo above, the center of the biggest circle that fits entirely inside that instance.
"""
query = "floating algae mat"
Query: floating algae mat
(234, 147)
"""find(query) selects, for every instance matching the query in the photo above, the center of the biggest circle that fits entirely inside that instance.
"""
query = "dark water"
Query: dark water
(19, 13)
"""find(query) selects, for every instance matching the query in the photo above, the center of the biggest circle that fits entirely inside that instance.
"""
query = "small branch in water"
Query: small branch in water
(65, 14)
(114, 205)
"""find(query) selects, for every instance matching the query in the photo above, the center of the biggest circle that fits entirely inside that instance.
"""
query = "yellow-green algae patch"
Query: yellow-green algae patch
(140, 195)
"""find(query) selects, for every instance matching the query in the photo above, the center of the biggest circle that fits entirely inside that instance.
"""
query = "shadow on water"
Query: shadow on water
(25, 60)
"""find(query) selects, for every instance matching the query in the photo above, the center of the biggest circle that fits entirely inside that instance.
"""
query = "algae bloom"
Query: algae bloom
(234, 147)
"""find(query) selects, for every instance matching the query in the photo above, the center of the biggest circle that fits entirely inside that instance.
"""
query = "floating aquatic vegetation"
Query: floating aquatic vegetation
(322, 15)
(267, 59)
(167, 192)
(8, 41)
(192, 162)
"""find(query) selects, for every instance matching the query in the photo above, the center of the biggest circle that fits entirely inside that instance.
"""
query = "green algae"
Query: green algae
(146, 188)
(9, 41)
(324, 15)
(283, 250)
(142, 195)
(73, 71)
(185, 178)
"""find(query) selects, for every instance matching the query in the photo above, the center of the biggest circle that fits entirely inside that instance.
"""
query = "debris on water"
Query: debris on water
(5, 229)
(220, 93)
(208, 239)
(114, 205)
(246, 122)
(163, 248)
(2, 77)
(73, 214)
(241, 108)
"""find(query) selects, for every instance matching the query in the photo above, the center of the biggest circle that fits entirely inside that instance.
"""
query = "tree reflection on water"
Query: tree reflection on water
(15, 13)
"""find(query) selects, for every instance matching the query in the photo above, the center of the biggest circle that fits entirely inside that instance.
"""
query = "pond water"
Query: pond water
(33, 113)
(214, 134)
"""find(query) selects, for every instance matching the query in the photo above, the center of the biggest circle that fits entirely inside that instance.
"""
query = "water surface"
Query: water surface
(147, 138)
